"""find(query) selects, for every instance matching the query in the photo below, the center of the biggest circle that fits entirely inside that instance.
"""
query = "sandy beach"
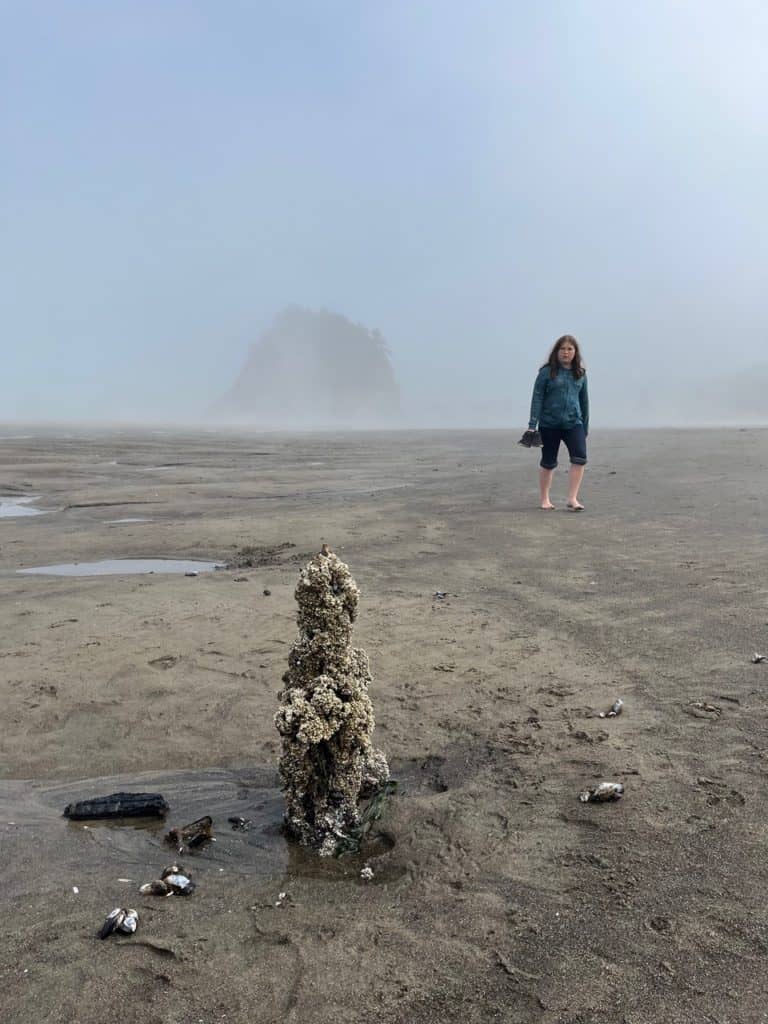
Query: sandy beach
(497, 894)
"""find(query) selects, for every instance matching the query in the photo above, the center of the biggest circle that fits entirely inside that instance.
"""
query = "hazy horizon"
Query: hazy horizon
(472, 182)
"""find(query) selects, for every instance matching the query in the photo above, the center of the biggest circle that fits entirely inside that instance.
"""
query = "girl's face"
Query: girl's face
(565, 353)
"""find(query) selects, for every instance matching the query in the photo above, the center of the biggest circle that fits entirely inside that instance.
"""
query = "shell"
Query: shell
(181, 884)
(616, 709)
(130, 922)
(113, 920)
(156, 888)
(602, 792)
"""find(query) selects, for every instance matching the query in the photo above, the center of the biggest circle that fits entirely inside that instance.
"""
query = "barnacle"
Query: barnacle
(326, 718)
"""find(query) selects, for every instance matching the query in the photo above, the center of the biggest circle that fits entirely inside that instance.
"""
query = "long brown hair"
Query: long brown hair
(554, 364)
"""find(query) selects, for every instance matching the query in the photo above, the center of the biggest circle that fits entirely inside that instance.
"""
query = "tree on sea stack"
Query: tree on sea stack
(325, 718)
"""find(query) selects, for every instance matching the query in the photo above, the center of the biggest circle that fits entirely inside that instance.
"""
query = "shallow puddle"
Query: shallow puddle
(121, 567)
(11, 506)
(43, 849)
(70, 852)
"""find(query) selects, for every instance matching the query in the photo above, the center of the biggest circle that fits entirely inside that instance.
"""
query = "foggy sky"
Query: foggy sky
(471, 179)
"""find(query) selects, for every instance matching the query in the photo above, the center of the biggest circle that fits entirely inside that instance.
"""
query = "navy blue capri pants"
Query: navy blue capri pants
(575, 441)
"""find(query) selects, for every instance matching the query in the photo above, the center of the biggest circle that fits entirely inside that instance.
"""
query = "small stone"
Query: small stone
(267, 592)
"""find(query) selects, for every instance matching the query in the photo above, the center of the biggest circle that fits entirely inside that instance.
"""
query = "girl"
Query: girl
(560, 409)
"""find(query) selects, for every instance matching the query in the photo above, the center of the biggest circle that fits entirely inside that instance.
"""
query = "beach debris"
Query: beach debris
(283, 897)
(119, 920)
(75, 890)
(239, 823)
(192, 572)
(156, 888)
(189, 836)
(367, 873)
(440, 595)
(181, 885)
(118, 805)
(757, 659)
(178, 880)
(328, 762)
(239, 579)
(602, 792)
(267, 592)
(702, 709)
(173, 879)
(130, 922)
(616, 708)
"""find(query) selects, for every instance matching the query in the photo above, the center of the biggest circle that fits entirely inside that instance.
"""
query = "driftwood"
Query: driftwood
(118, 805)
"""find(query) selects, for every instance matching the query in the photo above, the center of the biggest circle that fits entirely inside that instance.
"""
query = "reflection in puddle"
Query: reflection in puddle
(121, 566)
(142, 824)
(12, 506)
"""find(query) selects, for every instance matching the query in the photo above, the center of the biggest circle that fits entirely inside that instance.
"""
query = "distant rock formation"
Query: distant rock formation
(314, 369)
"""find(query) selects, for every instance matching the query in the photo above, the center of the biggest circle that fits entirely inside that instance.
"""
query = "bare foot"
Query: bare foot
(546, 506)
(575, 506)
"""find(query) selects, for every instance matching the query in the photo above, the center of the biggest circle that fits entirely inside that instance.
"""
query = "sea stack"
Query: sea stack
(325, 718)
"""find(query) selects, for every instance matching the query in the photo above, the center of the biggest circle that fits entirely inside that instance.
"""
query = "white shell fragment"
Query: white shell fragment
(602, 792)
(616, 709)
(181, 884)
(366, 874)
(130, 922)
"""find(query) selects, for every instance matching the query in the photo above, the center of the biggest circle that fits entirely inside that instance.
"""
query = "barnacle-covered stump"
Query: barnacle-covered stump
(325, 716)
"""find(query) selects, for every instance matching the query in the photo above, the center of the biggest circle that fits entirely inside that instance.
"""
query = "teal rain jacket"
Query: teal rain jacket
(562, 402)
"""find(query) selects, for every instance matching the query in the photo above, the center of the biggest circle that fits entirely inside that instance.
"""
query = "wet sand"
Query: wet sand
(496, 895)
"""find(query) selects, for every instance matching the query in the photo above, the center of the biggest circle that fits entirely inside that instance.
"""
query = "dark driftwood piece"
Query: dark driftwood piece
(119, 805)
